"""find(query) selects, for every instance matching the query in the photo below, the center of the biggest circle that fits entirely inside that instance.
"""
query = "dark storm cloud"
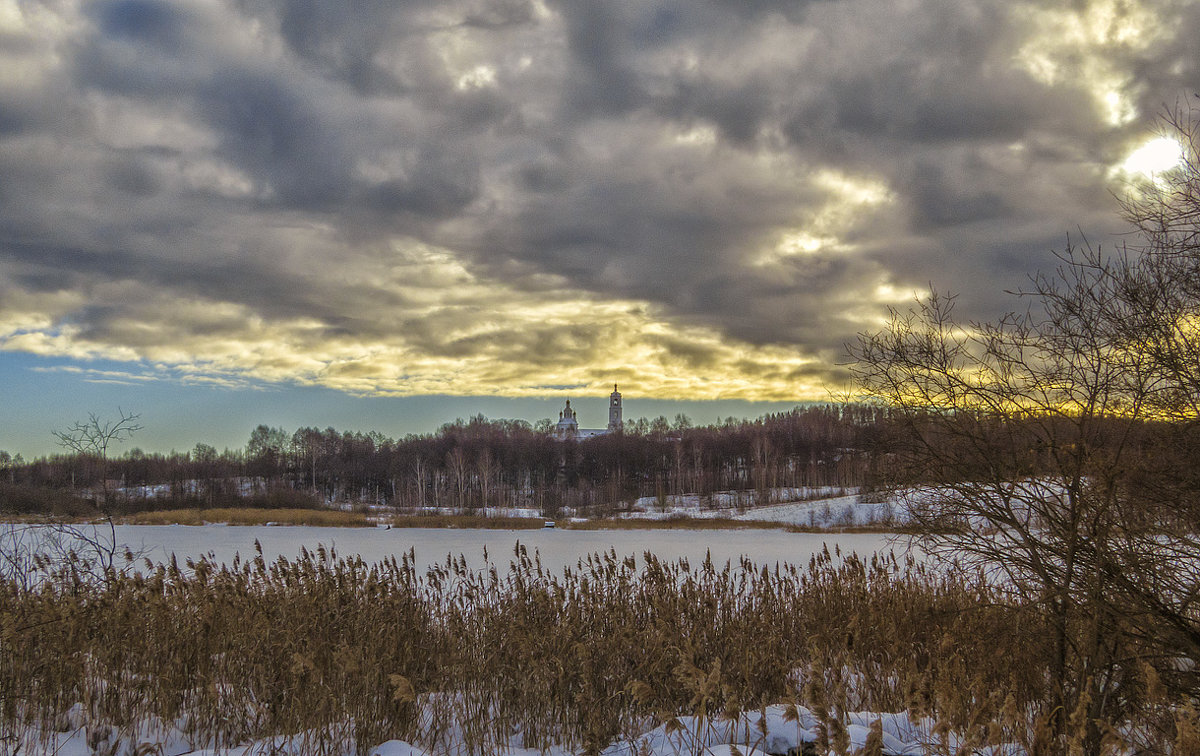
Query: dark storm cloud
(738, 109)
(601, 45)
(769, 172)
(345, 40)
(141, 21)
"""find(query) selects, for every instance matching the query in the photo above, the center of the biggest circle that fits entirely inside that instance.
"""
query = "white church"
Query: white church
(568, 425)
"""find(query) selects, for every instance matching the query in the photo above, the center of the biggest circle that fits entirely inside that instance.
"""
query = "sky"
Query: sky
(382, 215)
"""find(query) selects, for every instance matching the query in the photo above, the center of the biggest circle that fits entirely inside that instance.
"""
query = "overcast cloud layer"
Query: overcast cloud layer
(694, 198)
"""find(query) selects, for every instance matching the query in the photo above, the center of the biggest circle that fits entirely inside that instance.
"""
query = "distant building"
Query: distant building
(568, 424)
(614, 411)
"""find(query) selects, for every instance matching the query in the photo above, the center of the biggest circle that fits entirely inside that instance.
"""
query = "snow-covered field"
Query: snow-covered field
(835, 512)
(517, 512)
(779, 730)
(820, 508)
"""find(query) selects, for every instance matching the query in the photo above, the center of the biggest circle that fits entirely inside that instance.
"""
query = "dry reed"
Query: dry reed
(335, 651)
(249, 516)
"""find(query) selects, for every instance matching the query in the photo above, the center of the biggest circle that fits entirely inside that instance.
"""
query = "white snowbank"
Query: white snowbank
(822, 508)
(771, 733)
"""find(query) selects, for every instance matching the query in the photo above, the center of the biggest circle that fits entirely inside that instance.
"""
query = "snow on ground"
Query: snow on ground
(838, 511)
(825, 507)
(516, 512)
(722, 501)
(771, 733)
(822, 508)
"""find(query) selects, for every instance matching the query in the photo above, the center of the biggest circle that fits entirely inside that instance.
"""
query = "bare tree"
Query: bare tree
(456, 463)
(1000, 450)
(487, 471)
(1159, 574)
(31, 553)
(1056, 450)
(93, 438)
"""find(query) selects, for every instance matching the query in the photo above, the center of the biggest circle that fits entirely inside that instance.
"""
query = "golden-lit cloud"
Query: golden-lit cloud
(457, 334)
(849, 202)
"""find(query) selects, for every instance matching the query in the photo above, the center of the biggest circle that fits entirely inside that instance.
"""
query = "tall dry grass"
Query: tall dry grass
(248, 516)
(333, 650)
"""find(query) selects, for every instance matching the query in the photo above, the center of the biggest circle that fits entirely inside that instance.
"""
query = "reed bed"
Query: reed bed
(334, 651)
(250, 516)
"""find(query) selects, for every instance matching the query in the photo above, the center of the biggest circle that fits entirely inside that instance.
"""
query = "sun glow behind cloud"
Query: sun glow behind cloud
(1156, 156)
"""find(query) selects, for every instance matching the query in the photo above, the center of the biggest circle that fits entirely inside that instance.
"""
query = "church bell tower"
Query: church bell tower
(614, 411)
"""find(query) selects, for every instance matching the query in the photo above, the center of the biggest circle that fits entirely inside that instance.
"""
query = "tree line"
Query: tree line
(466, 465)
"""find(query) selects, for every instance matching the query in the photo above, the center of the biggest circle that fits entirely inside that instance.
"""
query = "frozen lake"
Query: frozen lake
(557, 548)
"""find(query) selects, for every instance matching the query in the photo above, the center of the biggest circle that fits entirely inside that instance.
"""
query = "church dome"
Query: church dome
(568, 426)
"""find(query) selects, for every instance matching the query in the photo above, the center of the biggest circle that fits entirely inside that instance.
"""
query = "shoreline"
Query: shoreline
(336, 518)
